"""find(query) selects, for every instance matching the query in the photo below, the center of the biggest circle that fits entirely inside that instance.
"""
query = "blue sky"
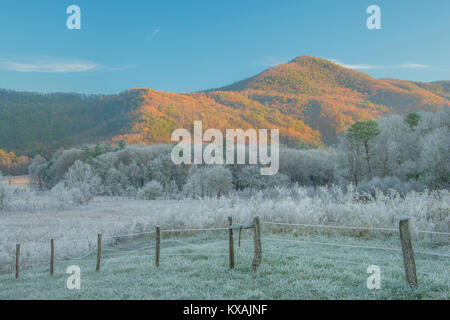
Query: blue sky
(182, 46)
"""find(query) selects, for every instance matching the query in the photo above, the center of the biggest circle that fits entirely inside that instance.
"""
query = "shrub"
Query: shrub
(150, 191)
(387, 184)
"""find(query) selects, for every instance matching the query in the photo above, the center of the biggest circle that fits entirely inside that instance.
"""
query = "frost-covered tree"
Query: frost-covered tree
(218, 181)
(150, 191)
(60, 163)
(164, 170)
(248, 177)
(171, 190)
(82, 179)
(278, 180)
(135, 174)
(4, 194)
(309, 167)
(195, 185)
(208, 181)
(435, 157)
(114, 182)
(127, 170)
(391, 148)
(37, 170)
(411, 149)
(349, 164)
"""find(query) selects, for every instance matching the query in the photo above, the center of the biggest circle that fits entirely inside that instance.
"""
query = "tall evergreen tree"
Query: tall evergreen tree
(412, 119)
(362, 132)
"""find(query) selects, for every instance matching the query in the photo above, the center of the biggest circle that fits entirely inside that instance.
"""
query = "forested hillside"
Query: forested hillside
(40, 123)
(311, 101)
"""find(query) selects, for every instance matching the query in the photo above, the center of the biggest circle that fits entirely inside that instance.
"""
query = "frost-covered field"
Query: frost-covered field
(75, 231)
(311, 264)
(289, 270)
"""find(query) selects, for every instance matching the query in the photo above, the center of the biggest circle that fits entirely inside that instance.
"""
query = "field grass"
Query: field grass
(298, 262)
(195, 266)
(75, 229)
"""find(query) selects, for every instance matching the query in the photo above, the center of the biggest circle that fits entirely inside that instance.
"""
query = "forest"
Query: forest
(32, 123)
(310, 100)
(12, 164)
(392, 154)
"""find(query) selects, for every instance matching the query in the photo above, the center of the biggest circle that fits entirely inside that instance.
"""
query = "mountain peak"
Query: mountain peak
(304, 74)
(307, 58)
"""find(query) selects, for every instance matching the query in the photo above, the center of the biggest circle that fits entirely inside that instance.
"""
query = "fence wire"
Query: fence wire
(117, 252)
(357, 263)
(355, 246)
(332, 244)
(326, 226)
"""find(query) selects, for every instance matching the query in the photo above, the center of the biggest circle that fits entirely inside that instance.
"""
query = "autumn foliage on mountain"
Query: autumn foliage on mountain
(311, 101)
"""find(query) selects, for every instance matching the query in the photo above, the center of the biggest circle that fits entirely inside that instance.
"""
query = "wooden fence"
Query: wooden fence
(404, 232)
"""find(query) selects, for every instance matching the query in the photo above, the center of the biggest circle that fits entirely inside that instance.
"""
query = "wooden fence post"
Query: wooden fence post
(239, 241)
(99, 251)
(17, 260)
(52, 256)
(230, 231)
(158, 244)
(257, 244)
(408, 253)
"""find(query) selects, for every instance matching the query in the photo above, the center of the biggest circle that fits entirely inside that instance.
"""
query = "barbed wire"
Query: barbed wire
(333, 244)
(359, 263)
(129, 235)
(192, 244)
(128, 251)
(224, 228)
(433, 253)
(94, 239)
(357, 246)
(193, 254)
(328, 226)
(67, 258)
(349, 227)
(313, 257)
(433, 232)
(188, 230)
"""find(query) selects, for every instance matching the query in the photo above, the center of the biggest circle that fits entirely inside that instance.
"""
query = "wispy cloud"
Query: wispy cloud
(53, 65)
(117, 68)
(47, 65)
(269, 61)
(408, 65)
(412, 66)
(152, 35)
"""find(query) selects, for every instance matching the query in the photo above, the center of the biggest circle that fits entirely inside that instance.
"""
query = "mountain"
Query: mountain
(311, 100)
(33, 123)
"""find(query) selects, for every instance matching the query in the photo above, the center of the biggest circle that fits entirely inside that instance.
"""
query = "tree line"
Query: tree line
(400, 153)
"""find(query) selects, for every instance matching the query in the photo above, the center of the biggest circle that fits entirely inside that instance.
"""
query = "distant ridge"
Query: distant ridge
(311, 100)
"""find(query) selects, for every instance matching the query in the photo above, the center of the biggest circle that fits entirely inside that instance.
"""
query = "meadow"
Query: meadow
(289, 270)
(316, 258)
